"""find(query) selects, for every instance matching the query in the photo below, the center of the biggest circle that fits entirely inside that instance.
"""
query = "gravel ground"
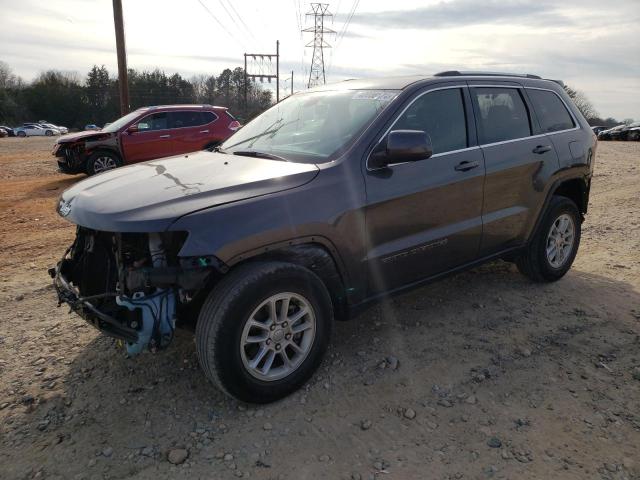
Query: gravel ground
(482, 375)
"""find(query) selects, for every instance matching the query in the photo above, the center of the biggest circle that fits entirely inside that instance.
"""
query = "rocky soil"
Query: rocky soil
(482, 375)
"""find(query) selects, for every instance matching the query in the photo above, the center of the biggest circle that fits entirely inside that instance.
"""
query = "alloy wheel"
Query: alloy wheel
(278, 336)
(103, 163)
(560, 240)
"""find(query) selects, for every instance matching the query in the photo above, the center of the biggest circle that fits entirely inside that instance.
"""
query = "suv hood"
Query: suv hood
(149, 196)
(86, 135)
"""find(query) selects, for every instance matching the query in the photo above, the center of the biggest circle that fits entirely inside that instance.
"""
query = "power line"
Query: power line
(219, 22)
(344, 29)
(297, 14)
(233, 19)
(347, 23)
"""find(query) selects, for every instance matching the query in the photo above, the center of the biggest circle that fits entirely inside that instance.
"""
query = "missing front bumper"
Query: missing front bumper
(84, 307)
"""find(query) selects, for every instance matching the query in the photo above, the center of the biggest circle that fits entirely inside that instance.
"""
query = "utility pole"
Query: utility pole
(262, 67)
(122, 57)
(290, 79)
(316, 73)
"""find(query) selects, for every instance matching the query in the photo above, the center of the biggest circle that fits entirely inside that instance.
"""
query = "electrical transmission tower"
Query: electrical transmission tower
(319, 11)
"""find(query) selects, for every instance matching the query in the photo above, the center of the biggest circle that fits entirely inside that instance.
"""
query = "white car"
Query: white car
(63, 130)
(35, 131)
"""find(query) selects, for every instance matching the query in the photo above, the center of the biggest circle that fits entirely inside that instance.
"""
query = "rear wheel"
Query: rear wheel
(263, 330)
(102, 161)
(554, 246)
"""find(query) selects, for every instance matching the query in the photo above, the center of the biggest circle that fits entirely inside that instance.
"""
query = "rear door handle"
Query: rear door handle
(204, 131)
(540, 149)
(165, 136)
(464, 166)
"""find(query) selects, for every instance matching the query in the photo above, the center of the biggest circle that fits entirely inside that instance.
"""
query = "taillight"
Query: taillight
(235, 125)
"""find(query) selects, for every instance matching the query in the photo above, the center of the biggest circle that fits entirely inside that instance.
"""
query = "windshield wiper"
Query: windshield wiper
(218, 149)
(254, 153)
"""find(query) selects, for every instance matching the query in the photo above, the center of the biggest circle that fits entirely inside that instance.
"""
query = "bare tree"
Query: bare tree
(582, 102)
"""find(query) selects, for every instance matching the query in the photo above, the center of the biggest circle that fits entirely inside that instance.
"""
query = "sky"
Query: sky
(590, 44)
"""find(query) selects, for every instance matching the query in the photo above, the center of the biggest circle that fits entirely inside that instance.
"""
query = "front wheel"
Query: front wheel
(22, 134)
(554, 246)
(101, 161)
(263, 330)
(48, 133)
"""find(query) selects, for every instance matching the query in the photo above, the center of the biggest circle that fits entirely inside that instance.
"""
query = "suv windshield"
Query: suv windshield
(310, 127)
(121, 122)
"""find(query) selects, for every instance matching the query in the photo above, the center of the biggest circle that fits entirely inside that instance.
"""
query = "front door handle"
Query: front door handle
(204, 131)
(464, 166)
(165, 136)
(540, 149)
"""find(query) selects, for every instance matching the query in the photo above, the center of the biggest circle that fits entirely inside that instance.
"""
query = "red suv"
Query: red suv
(146, 134)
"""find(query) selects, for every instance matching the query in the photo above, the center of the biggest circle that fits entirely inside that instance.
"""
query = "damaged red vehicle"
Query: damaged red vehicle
(145, 134)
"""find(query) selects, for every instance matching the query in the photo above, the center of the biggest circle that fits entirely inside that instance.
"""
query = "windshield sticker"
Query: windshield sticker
(381, 96)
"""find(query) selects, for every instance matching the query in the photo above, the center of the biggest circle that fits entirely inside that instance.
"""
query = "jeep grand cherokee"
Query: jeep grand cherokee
(332, 199)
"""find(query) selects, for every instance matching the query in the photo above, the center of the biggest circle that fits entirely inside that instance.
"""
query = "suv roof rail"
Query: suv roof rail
(182, 105)
(559, 82)
(458, 73)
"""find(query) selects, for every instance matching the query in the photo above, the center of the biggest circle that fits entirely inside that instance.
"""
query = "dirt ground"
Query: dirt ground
(482, 375)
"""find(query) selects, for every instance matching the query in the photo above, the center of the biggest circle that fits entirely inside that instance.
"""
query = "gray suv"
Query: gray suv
(331, 200)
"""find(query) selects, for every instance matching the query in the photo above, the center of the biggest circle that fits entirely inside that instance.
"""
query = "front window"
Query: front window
(156, 121)
(121, 122)
(441, 114)
(311, 127)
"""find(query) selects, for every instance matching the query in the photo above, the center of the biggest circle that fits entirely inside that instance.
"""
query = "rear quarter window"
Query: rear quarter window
(207, 117)
(551, 111)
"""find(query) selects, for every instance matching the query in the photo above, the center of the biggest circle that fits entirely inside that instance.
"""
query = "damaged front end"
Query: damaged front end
(131, 286)
(71, 157)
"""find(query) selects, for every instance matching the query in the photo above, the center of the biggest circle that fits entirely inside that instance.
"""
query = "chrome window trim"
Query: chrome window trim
(480, 145)
(216, 117)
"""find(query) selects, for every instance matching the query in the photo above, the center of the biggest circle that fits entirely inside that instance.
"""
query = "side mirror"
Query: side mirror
(132, 129)
(401, 146)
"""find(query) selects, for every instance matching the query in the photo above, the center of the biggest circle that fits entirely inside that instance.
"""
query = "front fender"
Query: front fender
(312, 213)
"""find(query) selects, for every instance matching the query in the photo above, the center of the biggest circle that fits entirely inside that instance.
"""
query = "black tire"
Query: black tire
(21, 134)
(49, 133)
(226, 311)
(97, 159)
(534, 262)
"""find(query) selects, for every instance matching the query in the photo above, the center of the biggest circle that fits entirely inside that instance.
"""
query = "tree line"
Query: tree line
(589, 112)
(64, 98)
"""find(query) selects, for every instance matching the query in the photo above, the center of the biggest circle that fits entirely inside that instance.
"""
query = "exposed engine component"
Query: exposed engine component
(158, 319)
(130, 285)
(158, 308)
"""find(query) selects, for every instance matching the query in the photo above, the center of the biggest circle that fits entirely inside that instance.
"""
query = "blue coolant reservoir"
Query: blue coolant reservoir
(158, 319)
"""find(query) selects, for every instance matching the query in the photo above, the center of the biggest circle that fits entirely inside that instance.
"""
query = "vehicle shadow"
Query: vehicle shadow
(53, 187)
(442, 334)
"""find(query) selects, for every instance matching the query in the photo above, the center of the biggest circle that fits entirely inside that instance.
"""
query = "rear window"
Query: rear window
(190, 118)
(208, 117)
(551, 112)
(503, 114)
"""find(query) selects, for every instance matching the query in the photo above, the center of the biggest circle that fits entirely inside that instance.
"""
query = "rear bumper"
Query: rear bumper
(68, 294)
